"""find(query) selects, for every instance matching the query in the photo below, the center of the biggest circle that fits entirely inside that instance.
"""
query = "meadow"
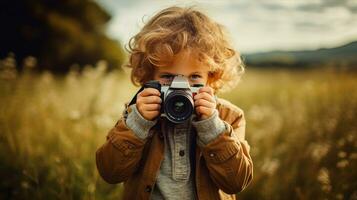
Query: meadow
(301, 126)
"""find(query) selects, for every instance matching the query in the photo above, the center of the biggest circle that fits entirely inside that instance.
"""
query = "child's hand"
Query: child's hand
(205, 102)
(148, 103)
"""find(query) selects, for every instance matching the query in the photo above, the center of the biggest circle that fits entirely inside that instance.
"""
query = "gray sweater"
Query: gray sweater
(176, 176)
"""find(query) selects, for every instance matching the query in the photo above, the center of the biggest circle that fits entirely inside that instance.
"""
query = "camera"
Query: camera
(177, 98)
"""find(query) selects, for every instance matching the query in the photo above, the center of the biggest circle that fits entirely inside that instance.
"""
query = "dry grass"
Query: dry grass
(301, 126)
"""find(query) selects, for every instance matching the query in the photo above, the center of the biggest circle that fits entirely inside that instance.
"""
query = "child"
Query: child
(203, 158)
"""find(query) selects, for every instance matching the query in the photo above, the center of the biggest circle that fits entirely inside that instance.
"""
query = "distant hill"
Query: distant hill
(345, 55)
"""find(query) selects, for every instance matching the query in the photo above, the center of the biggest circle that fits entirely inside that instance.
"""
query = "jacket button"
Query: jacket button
(148, 188)
(182, 153)
(161, 136)
(212, 155)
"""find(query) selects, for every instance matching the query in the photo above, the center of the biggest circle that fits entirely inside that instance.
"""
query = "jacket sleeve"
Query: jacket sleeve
(227, 155)
(119, 156)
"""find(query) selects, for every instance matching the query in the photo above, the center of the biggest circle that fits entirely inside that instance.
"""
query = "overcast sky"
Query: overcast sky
(254, 25)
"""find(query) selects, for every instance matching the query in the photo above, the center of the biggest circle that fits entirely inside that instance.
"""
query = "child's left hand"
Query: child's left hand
(205, 103)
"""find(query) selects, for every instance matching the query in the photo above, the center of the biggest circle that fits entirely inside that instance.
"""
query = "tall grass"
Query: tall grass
(301, 126)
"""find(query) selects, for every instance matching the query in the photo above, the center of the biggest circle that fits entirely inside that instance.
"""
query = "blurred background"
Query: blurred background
(63, 87)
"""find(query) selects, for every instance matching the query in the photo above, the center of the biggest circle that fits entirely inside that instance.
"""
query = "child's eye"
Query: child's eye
(167, 76)
(196, 76)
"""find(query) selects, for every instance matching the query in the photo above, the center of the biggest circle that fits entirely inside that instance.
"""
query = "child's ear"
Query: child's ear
(210, 78)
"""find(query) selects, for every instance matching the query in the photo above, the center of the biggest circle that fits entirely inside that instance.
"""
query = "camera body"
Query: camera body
(177, 98)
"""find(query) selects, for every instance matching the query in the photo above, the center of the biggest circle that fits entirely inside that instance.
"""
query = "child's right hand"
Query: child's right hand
(148, 103)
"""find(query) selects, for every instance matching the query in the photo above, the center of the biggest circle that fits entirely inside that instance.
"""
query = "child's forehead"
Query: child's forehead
(191, 56)
(186, 68)
(186, 56)
(186, 61)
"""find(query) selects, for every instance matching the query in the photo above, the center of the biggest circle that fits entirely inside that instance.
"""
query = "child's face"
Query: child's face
(185, 63)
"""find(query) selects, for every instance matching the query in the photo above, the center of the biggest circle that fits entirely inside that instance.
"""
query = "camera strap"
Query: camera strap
(133, 100)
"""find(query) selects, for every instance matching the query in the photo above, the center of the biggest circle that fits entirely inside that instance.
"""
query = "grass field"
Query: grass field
(301, 125)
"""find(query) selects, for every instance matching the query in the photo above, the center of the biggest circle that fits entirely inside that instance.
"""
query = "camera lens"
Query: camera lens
(178, 106)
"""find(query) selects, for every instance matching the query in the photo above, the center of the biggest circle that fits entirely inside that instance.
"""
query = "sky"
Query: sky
(254, 25)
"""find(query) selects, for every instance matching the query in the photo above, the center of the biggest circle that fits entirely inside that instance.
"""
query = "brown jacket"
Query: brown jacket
(223, 167)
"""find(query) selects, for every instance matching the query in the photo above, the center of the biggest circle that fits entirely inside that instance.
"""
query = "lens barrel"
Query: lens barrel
(178, 106)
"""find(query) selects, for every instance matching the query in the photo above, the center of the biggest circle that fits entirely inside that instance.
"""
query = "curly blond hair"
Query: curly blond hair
(175, 29)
